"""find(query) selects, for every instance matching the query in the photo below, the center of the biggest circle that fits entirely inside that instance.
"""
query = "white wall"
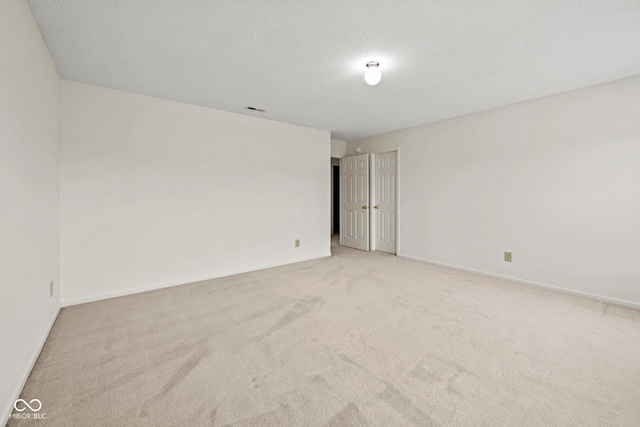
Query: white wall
(338, 148)
(556, 181)
(29, 197)
(157, 193)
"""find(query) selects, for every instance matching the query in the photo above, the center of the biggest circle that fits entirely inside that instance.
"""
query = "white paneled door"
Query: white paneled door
(355, 201)
(385, 200)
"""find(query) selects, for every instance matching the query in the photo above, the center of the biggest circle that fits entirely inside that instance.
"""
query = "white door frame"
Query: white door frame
(372, 195)
(372, 158)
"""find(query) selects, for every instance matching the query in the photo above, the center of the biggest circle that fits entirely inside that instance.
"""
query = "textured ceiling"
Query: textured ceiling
(303, 60)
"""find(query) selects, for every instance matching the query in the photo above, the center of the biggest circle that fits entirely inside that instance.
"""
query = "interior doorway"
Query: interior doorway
(335, 197)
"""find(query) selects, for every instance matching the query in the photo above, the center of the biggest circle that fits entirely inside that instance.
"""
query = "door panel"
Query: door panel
(355, 190)
(385, 200)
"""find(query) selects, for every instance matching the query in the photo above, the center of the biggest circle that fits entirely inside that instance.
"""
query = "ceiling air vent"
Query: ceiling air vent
(259, 110)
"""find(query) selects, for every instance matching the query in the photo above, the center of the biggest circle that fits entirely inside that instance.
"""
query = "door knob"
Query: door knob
(375, 207)
(364, 207)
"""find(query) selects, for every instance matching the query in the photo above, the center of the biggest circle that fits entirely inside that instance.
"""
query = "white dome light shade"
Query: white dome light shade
(373, 74)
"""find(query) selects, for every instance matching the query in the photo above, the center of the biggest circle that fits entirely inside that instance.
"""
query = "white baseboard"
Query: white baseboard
(529, 282)
(34, 358)
(162, 285)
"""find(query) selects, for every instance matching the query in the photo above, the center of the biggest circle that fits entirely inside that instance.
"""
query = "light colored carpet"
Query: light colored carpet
(352, 340)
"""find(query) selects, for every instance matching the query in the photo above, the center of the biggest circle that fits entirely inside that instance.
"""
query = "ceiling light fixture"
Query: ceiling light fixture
(373, 74)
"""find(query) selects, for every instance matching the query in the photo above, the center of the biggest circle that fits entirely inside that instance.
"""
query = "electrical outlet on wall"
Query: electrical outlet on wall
(507, 256)
(297, 243)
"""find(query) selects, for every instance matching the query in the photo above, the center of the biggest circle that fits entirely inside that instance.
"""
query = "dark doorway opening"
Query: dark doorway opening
(336, 200)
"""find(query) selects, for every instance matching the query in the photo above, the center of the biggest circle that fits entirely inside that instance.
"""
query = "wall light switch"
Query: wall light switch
(507, 256)
(297, 243)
